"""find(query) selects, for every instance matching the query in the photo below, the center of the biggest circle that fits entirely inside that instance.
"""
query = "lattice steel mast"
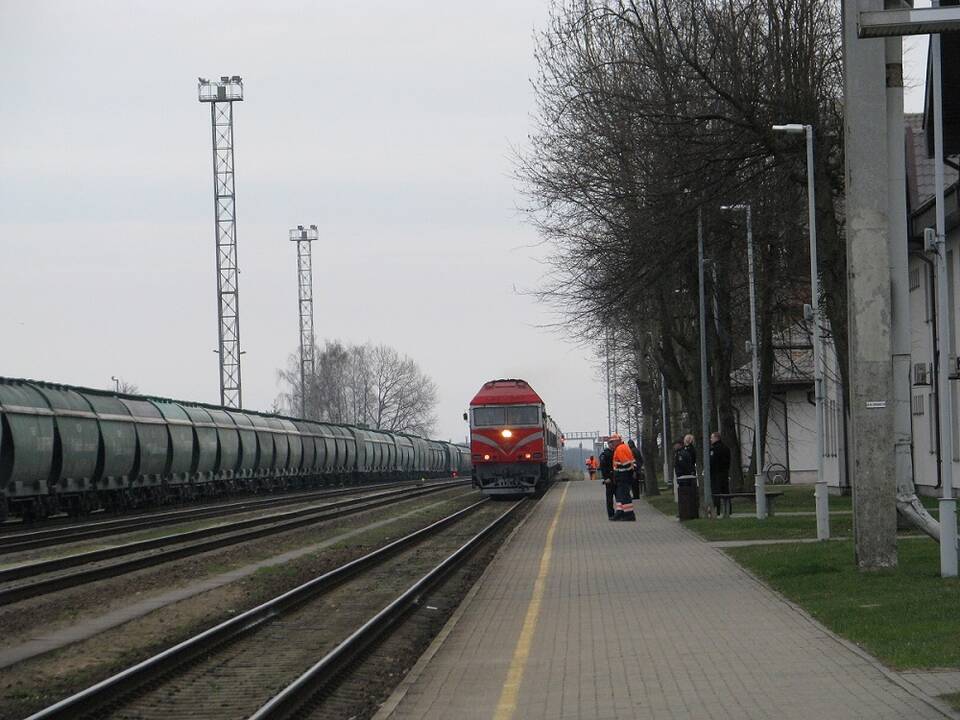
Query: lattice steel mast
(221, 96)
(303, 237)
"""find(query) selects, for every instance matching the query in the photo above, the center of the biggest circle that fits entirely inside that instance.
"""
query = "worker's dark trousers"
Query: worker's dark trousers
(624, 504)
(609, 489)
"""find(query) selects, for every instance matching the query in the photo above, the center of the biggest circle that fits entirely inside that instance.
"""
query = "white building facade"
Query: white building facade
(790, 445)
(791, 430)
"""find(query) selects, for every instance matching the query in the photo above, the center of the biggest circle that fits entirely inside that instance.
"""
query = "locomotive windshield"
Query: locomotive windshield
(510, 415)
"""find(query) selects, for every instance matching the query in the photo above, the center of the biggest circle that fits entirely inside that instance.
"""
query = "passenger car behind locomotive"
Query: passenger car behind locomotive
(516, 448)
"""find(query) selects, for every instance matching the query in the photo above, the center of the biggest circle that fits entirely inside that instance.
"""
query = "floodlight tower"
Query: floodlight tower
(221, 95)
(303, 237)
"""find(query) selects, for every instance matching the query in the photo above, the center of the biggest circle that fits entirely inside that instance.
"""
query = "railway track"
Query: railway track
(270, 661)
(32, 539)
(59, 573)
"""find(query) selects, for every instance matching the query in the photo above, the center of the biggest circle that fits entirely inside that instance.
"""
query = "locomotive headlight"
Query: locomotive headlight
(486, 457)
(527, 456)
(507, 433)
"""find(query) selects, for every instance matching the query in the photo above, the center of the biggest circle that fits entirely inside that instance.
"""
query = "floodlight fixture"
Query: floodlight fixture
(308, 234)
(791, 129)
(227, 89)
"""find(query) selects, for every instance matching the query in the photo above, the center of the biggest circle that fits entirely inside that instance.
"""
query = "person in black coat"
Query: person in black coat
(606, 474)
(677, 447)
(719, 468)
(685, 458)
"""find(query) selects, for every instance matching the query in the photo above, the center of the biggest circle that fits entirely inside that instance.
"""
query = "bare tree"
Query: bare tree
(371, 385)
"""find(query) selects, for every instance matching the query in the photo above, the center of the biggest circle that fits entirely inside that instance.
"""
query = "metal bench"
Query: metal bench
(726, 501)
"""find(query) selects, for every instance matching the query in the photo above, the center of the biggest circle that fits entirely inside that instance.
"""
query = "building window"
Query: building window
(918, 404)
(831, 428)
(915, 279)
(825, 409)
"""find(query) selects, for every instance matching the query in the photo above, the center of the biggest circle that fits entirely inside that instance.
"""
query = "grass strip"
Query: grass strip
(906, 616)
(773, 528)
(779, 527)
(796, 498)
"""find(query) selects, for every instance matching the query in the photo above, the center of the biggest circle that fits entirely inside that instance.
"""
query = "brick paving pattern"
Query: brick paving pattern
(643, 620)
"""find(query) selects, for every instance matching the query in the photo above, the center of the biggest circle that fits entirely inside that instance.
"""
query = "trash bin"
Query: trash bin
(688, 498)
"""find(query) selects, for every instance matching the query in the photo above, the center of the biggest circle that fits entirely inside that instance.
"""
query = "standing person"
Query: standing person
(638, 468)
(623, 471)
(677, 447)
(719, 468)
(592, 467)
(606, 473)
(685, 458)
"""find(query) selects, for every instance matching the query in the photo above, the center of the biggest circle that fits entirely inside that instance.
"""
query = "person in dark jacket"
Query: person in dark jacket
(719, 468)
(685, 459)
(606, 474)
(677, 447)
(638, 471)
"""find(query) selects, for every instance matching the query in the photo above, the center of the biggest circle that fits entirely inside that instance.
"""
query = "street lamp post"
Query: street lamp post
(116, 382)
(821, 494)
(704, 383)
(758, 483)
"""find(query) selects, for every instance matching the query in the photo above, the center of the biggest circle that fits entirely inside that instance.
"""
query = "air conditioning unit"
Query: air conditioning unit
(921, 374)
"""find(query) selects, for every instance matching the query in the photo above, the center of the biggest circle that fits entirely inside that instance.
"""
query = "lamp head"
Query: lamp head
(792, 129)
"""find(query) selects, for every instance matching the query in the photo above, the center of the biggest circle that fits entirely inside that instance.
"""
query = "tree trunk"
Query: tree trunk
(649, 409)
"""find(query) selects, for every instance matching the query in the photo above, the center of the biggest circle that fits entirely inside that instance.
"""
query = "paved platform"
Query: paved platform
(579, 617)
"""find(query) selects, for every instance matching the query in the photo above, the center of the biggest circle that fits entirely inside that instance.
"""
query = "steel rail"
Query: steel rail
(82, 577)
(46, 537)
(41, 567)
(108, 690)
(17, 528)
(292, 698)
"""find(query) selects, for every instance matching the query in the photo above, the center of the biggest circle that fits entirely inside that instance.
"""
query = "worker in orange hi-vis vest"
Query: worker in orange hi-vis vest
(592, 466)
(624, 464)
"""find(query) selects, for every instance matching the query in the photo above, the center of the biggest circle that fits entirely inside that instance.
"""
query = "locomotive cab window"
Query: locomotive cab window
(489, 416)
(529, 415)
(511, 415)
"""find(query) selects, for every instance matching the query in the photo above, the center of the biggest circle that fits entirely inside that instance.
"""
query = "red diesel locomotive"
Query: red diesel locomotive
(516, 448)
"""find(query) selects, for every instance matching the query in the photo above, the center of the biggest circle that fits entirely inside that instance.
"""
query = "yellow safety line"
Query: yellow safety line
(511, 687)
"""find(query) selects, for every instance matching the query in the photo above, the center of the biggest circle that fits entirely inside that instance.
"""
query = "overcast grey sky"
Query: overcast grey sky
(388, 124)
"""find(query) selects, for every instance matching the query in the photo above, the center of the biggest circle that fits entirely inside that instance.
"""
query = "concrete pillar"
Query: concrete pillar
(868, 295)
